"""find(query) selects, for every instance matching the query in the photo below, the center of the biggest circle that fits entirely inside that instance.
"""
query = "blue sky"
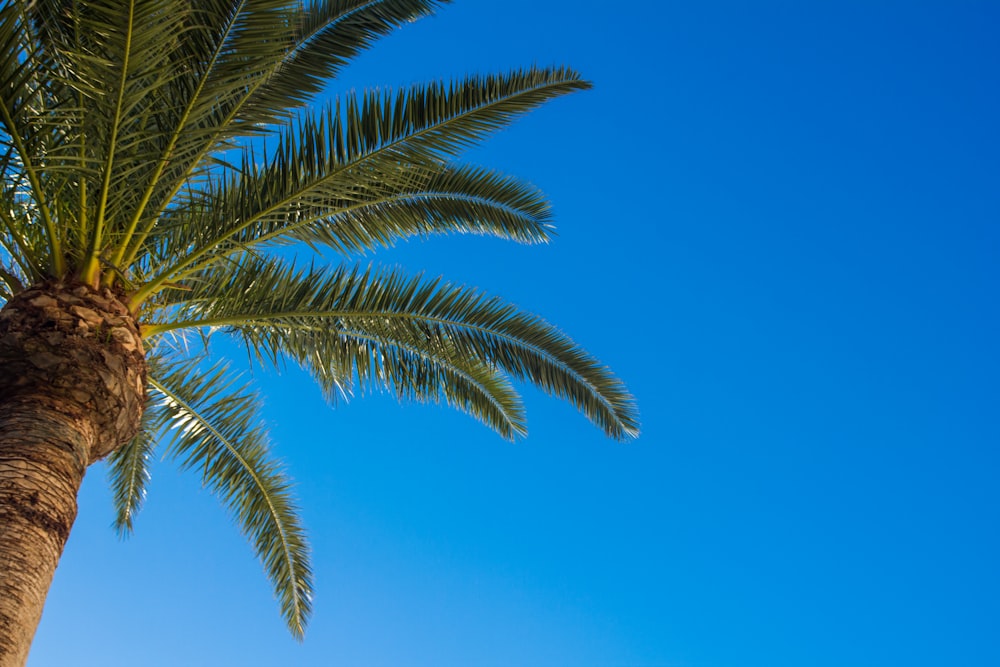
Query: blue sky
(779, 223)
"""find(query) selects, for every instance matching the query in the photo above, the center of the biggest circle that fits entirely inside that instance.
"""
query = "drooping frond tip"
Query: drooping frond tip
(423, 339)
(128, 474)
(214, 426)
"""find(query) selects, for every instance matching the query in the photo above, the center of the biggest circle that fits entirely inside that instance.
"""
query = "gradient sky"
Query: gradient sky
(779, 222)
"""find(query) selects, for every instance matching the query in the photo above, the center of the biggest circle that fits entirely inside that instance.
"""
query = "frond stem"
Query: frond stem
(246, 466)
(25, 258)
(148, 228)
(394, 197)
(10, 280)
(91, 266)
(238, 320)
(127, 250)
(171, 273)
(83, 139)
(429, 357)
(36, 190)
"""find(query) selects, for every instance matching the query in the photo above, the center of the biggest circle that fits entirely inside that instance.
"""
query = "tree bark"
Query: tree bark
(40, 474)
(72, 388)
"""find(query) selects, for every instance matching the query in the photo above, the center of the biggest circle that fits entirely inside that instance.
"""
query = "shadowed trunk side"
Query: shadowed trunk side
(72, 387)
(40, 474)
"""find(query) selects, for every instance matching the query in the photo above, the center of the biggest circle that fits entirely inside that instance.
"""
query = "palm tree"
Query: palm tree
(159, 159)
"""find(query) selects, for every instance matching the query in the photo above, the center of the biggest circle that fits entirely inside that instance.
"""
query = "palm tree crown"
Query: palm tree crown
(164, 151)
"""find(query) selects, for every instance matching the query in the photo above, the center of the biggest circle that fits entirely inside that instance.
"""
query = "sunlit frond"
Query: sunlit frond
(360, 318)
(25, 142)
(366, 152)
(455, 199)
(128, 472)
(326, 36)
(213, 426)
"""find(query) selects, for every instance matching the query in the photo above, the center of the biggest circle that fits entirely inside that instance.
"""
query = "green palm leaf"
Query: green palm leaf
(246, 66)
(128, 473)
(363, 151)
(320, 314)
(460, 199)
(22, 65)
(214, 428)
(327, 36)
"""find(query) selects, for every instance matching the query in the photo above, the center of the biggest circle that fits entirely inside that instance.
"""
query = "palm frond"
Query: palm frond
(327, 36)
(244, 67)
(128, 472)
(320, 314)
(359, 152)
(22, 237)
(120, 64)
(214, 428)
(411, 365)
(457, 199)
(22, 68)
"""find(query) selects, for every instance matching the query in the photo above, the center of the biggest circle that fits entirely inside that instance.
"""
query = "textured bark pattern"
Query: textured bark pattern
(78, 351)
(40, 474)
(72, 389)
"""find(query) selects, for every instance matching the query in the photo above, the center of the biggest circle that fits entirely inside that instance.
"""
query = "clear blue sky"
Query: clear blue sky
(779, 222)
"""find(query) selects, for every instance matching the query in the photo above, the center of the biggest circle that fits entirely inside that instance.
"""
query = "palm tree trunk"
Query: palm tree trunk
(40, 474)
(72, 387)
